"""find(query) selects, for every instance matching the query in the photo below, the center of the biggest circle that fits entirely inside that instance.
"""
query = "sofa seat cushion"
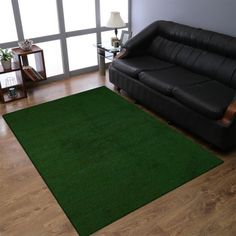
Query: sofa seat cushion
(133, 66)
(165, 81)
(210, 98)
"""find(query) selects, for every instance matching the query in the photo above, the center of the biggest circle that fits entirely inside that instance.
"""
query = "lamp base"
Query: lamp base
(115, 42)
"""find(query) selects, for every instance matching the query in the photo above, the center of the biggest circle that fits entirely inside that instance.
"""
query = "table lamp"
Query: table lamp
(115, 21)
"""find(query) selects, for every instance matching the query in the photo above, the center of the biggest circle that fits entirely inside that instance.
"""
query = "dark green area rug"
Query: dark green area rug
(103, 157)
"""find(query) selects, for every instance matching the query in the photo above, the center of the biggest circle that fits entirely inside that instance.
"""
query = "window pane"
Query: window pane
(107, 35)
(8, 28)
(8, 79)
(52, 57)
(82, 52)
(79, 14)
(39, 18)
(113, 5)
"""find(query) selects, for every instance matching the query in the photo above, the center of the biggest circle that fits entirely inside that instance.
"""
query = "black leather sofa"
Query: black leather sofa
(185, 74)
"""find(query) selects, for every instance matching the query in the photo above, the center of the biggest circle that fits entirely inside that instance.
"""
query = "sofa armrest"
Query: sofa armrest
(138, 44)
(230, 113)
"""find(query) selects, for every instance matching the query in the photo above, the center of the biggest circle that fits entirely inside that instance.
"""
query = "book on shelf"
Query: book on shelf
(32, 73)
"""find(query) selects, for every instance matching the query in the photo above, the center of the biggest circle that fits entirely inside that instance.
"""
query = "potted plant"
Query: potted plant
(6, 56)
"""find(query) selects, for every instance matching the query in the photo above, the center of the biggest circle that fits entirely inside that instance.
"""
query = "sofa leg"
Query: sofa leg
(117, 88)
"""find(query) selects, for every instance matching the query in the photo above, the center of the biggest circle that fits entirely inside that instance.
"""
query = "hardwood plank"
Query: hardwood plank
(203, 206)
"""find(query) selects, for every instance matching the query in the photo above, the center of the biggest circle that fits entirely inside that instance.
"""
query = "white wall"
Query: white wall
(216, 15)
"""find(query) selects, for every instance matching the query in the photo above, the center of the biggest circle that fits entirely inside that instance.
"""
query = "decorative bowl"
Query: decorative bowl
(26, 44)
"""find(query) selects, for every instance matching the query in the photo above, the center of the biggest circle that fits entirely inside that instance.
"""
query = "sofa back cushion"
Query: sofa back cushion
(198, 38)
(201, 51)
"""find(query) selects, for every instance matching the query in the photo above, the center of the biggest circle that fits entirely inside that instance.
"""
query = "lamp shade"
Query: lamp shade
(115, 20)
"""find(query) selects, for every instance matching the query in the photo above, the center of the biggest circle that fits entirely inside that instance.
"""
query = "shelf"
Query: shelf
(12, 79)
(106, 46)
(20, 94)
(19, 51)
(32, 74)
(36, 73)
(14, 67)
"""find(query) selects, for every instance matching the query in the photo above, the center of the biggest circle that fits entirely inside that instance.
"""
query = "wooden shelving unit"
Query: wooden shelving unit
(21, 73)
(29, 73)
(9, 79)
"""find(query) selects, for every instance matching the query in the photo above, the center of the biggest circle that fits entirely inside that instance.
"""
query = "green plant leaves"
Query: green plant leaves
(5, 54)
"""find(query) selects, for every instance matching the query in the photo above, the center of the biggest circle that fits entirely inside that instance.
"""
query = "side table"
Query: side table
(105, 51)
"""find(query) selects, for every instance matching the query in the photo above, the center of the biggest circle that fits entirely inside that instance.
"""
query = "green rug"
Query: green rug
(103, 157)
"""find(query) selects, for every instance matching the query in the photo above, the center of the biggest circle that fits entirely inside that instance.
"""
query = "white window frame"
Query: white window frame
(63, 35)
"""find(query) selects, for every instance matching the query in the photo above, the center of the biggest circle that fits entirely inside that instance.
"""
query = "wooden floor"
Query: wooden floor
(204, 206)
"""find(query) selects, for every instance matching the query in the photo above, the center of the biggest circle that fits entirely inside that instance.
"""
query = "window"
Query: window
(106, 36)
(113, 5)
(8, 79)
(8, 29)
(81, 51)
(66, 30)
(53, 57)
(79, 14)
(39, 18)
